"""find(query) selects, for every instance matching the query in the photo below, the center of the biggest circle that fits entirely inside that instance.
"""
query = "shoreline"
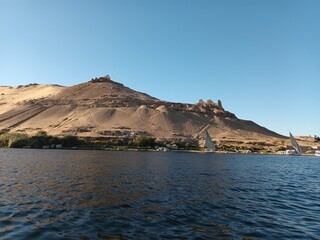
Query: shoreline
(149, 144)
(156, 151)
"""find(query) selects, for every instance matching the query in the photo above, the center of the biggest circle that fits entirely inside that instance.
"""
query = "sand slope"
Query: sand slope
(103, 108)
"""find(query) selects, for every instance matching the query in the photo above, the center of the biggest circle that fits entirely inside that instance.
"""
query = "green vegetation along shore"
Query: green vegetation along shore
(42, 140)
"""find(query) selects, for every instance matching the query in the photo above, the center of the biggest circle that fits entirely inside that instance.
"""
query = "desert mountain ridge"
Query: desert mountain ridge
(102, 107)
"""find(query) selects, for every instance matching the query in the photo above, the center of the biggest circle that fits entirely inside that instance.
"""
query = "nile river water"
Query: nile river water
(61, 194)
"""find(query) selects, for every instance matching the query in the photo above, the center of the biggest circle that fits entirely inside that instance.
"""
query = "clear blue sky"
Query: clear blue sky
(260, 57)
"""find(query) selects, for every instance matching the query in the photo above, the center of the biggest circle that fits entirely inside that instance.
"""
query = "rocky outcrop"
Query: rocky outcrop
(101, 79)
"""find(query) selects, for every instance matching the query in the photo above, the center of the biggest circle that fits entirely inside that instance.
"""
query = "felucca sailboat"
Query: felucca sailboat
(295, 145)
(208, 142)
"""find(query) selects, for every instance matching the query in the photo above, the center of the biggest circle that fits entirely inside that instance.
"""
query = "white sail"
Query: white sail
(208, 142)
(295, 145)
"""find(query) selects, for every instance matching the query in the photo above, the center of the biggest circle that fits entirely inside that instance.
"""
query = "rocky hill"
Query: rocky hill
(104, 108)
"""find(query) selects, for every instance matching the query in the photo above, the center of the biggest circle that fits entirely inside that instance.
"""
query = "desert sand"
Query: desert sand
(104, 108)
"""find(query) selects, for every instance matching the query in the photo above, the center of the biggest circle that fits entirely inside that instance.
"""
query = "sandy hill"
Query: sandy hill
(104, 108)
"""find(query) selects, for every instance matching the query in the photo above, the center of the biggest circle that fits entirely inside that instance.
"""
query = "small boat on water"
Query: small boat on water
(162, 149)
(208, 144)
(317, 153)
(297, 150)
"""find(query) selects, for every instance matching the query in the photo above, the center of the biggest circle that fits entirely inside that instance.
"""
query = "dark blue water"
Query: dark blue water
(58, 194)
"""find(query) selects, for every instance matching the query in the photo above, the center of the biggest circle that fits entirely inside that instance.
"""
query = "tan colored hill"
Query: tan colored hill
(104, 108)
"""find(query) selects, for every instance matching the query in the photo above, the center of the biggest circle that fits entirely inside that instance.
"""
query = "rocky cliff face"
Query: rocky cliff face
(102, 108)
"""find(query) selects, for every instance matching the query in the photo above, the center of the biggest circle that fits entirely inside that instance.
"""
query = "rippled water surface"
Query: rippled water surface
(59, 194)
